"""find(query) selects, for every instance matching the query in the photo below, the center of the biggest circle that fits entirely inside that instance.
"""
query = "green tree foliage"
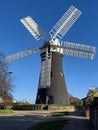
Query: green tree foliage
(75, 101)
(93, 92)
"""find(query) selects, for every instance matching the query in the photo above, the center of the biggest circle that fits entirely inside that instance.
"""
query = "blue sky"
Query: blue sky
(80, 74)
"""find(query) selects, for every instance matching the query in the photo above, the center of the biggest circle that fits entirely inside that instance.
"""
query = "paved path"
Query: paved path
(75, 121)
(22, 120)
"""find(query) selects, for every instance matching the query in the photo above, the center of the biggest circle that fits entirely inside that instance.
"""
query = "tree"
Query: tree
(75, 101)
(78, 102)
(93, 92)
(6, 86)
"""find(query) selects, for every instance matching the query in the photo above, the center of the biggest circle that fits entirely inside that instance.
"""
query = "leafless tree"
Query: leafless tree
(6, 86)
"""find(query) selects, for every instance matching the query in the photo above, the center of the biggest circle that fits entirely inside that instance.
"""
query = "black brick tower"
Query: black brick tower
(52, 88)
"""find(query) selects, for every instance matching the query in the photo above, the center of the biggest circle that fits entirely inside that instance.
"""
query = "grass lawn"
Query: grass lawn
(49, 125)
(60, 113)
(6, 111)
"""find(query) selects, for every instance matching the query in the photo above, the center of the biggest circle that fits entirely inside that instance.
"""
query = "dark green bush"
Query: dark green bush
(18, 106)
(1, 106)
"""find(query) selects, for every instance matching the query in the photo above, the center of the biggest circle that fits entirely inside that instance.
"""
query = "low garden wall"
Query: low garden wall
(61, 108)
(54, 107)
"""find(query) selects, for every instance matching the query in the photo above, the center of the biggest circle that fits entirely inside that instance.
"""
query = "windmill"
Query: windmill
(52, 87)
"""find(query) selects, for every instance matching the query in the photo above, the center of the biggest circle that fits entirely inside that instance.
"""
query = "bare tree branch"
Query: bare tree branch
(6, 86)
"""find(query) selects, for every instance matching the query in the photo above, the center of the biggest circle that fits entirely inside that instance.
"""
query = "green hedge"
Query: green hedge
(27, 106)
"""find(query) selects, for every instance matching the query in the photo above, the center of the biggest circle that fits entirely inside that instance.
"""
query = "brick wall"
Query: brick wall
(94, 114)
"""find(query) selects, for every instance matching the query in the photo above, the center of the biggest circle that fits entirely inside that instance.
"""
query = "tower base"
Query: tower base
(57, 92)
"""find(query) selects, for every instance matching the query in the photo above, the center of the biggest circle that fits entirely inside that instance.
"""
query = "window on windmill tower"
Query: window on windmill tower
(61, 74)
(38, 97)
(51, 74)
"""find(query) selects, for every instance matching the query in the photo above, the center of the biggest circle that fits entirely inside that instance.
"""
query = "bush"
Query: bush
(27, 106)
(1, 106)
